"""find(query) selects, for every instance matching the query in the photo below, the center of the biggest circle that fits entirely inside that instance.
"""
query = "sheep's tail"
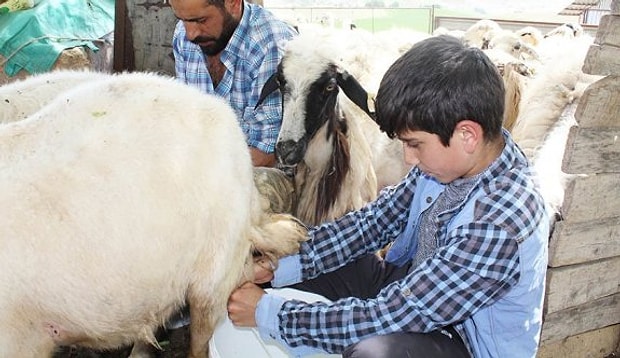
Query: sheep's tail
(278, 235)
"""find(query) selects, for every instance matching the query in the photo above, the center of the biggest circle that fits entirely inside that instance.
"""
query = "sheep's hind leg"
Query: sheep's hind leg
(141, 350)
(202, 326)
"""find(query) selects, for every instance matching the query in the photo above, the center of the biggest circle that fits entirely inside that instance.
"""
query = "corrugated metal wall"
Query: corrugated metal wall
(143, 36)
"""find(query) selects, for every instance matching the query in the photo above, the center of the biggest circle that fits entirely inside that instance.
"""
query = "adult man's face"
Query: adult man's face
(208, 26)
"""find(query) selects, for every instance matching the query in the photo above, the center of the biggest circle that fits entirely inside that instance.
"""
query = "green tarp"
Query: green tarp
(33, 39)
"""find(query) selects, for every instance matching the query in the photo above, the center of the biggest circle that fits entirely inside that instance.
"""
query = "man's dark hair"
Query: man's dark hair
(438, 83)
(217, 3)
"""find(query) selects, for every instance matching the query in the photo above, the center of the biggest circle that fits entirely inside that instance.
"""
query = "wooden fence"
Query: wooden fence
(582, 306)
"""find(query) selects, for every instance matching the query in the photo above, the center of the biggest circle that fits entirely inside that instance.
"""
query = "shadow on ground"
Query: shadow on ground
(174, 344)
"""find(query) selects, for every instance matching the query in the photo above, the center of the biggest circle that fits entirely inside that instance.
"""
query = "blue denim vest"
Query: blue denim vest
(511, 326)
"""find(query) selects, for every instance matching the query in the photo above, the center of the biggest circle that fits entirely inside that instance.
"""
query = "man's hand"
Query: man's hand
(242, 304)
(262, 159)
(263, 270)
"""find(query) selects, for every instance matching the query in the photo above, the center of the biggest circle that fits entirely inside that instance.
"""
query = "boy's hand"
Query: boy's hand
(242, 304)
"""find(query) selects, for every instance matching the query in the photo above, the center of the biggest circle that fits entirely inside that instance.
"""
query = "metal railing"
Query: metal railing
(371, 19)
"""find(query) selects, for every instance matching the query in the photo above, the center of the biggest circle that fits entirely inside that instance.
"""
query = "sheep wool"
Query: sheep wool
(123, 198)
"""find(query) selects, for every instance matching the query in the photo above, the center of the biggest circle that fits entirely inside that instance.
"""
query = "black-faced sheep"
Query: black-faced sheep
(122, 199)
(342, 159)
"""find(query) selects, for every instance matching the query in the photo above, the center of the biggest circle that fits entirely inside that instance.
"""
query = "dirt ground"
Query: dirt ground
(174, 344)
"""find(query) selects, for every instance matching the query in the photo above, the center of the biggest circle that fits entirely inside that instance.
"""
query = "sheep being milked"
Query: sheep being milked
(123, 198)
(22, 98)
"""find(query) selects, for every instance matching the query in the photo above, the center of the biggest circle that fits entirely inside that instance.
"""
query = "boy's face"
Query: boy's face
(426, 151)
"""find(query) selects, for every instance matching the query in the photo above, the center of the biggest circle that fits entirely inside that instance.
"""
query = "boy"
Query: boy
(465, 274)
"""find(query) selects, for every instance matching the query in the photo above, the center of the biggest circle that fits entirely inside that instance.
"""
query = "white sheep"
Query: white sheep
(122, 199)
(567, 30)
(512, 44)
(444, 31)
(548, 103)
(514, 75)
(547, 163)
(530, 35)
(21, 98)
(558, 81)
(481, 32)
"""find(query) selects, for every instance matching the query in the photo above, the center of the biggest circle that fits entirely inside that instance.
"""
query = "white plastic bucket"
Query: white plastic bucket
(229, 341)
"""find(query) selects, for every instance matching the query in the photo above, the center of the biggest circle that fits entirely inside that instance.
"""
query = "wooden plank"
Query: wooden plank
(574, 243)
(574, 285)
(602, 60)
(123, 44)
(599, 105)
(153, 23)
(590, 198)
(608, 31)
(592, 344)
(592, 151)
(120, 11)
(589, 316)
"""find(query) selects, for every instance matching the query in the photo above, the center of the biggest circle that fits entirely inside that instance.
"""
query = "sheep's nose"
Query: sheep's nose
(289, 152)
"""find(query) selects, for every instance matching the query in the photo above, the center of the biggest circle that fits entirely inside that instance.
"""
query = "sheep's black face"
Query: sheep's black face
(320, 107)
(321, 104)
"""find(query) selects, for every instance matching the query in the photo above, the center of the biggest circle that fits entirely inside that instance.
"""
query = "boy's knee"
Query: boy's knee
(433, 344)
(375, 347)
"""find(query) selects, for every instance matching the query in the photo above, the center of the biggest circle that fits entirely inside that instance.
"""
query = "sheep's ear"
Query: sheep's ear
(355, 92)
(269, 87)
(531, 51)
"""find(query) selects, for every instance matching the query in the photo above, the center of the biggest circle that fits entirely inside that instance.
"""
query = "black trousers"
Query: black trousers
(364, 278)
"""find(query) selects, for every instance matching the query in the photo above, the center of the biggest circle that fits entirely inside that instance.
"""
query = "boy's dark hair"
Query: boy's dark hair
(438, 83)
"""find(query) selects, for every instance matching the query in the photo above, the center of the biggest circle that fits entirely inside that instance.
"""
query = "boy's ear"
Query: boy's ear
(470, 135)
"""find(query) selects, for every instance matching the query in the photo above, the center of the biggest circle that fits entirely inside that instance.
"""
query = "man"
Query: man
(465, 274)
(230, 48)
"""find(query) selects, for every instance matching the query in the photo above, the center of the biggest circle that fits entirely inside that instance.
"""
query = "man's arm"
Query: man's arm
(262, 159)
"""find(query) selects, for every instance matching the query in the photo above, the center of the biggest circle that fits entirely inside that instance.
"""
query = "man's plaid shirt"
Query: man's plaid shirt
(251, 57)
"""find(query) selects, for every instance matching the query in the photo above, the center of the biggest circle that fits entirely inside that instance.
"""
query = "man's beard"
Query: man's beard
(228, 28)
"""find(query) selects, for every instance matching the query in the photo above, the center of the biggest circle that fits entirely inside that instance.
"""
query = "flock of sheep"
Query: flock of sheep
(124, 196)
